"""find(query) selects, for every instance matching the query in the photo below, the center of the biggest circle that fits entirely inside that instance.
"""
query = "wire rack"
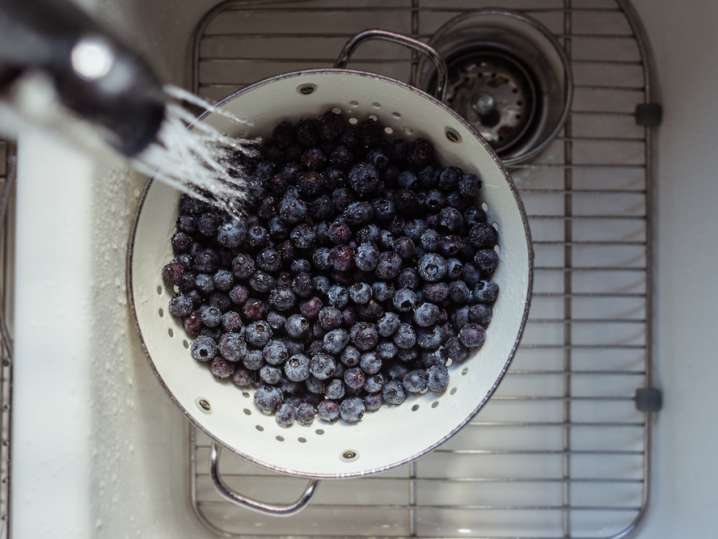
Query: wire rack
(562, 450)
(7, 185)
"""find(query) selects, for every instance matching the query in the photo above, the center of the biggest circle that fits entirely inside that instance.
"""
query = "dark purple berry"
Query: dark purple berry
(472, 335)
(352, 410)
(393, 393)
(204, 349)
(485, 292)
(180, 306)
(267, 399)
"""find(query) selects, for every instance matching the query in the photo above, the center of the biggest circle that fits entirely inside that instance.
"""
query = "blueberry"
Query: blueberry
(341, 157)
(303, 236)
(432, 267)
(322, 366)
(374, 384)
(261, 282)
(330, 318)
(207, 224)
(370, 363)
(472, 335)
(282, 299)
(405, 248)
(366, 257)
(294, 347)
(405, 336)
(406, 202)
(437, 378)
(335, 341)
(192, 325)
(321, 258)
(243, 378)
(206, 261)
(268, 398)
(426, 315)
(341, 198)
(232, 234)
(335, 389)
(483, 235)
(460, 317)
(220, 300)
(328, 411)
(350, 356)
(296, 368)
(408, 355)
(296, 325)
(407, 180)
(364, 178)
(371, 311)
(180, 306)
(232, 346)
(348, 317)
(384, 209)
(469, 185)
(243, 266)
(372, 402)
(292, 210)
(315, 386)
(341, 257)
(364, 336)
(305, 414)
(408, 278)
(485, 292)
(450, 245)
(454, 268)
(210, 316)
(253, 360)
(433, 357)
(382, 291)
(360, 293)
(302, 285)
(430, 339)
(397, 371)
(386, 239)
(286, 414)
(275, 352)
(415, 381)
(354, 378)
(486, 260)
(313, 159)
(204, 349)
(300, 265)
(269, 260)
(429, 239)
(474, 215)
(221, 368)
(339, 232)
(386, 350)
(338, 296)
(481, 314)
(393, 393)
(368, 234)
(221, 280)
(172, 273)
(232, 321)
(459, 292)
(311, 307)
(404, 300)
(434, 201)
(450, 220)
(254, 309)
(388, 324)
(270, 375)
(449, 178)
(277, 229)
(352, 409)
(388, 266)
(358, 213)
(421, 153)
(436, 292)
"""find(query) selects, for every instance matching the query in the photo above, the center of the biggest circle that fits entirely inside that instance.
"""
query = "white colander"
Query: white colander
(392, 435)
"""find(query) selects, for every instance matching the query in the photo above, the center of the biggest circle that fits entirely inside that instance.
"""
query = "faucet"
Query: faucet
(91, 74)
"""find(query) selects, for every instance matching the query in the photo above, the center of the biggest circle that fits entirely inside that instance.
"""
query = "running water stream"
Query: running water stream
(194, 157)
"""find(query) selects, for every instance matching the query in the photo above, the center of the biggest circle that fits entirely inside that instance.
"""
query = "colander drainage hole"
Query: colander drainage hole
(159, 290)
(302, 440)
(185, 343)
(319, 431)
(353, 121)
(388, 130)
(464, 371)
(349, 455)
(435, 404)
(307, 89)
(453, 391)
(396, 115)
(376, 105)
(453, 135)
(415, 408)
(170, 332)
(204, 405)
(260, 428)
(353, 104)
(247, 411)
(279, 438)
(161, 312)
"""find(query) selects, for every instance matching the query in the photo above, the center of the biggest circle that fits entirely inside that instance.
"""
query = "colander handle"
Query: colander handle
(442, 73)
(248, 503)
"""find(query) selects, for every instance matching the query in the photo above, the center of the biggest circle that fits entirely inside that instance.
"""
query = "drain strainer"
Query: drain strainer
(508, 77)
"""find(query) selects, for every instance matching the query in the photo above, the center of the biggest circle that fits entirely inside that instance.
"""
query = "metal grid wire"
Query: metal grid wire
(7, 184)
(561, 450)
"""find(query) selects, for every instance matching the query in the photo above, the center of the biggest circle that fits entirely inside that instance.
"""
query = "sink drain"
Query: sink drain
(508, 77)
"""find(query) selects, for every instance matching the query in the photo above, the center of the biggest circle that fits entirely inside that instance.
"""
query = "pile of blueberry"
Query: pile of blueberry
(361, 271)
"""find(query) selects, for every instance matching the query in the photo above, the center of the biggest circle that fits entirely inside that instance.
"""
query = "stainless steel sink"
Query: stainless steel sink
(562, 450)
